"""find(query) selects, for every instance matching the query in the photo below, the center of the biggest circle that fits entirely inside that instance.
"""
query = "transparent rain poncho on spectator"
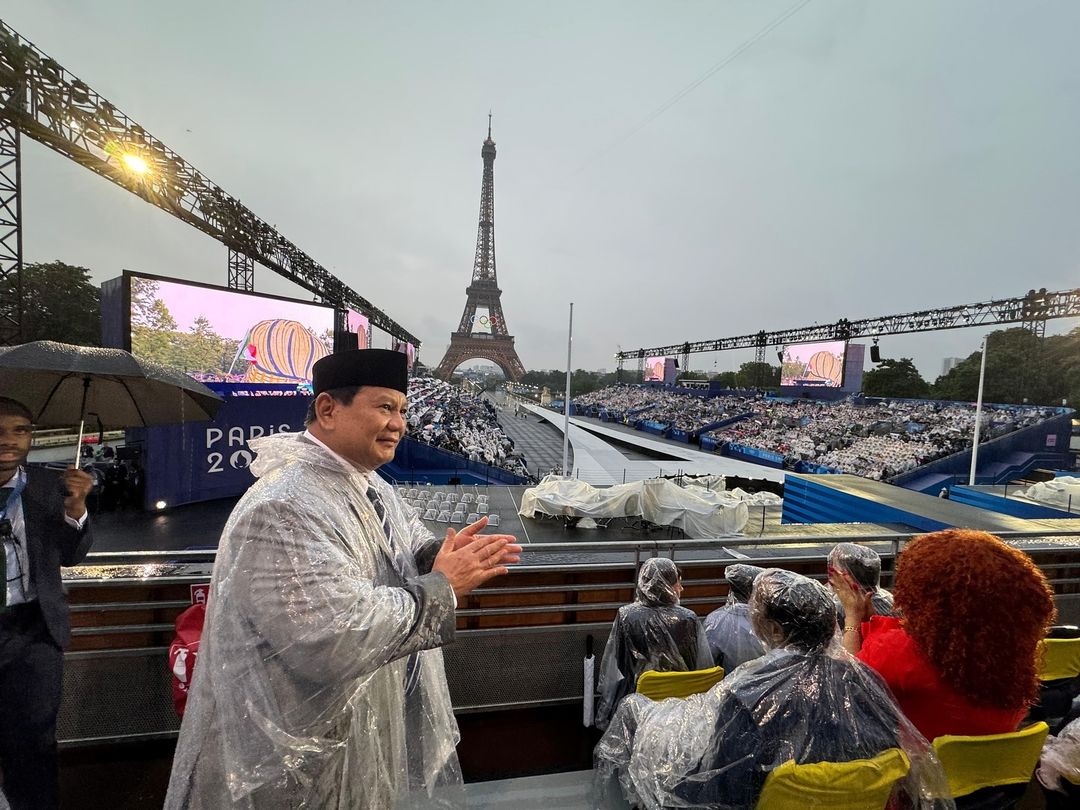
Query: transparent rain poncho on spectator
(653, 632)
(805, 700)
(863, 566)
(731, 637)
(1059, 766)
(319, 683)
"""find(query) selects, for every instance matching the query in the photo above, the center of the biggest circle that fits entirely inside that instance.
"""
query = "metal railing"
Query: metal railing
(160, 567)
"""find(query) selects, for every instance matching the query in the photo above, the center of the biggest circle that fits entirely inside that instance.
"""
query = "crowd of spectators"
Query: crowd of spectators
(450, 419)
(681, 411)
(873, 439)
(841, 673)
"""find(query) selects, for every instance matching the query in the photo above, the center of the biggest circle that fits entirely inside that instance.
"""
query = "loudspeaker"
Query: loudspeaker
(345, 342)
(875, 354)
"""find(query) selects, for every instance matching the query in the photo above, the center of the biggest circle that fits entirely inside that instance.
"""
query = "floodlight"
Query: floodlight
(135, 164)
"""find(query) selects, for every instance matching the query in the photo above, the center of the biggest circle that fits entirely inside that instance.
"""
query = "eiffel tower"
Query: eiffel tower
(482, 332)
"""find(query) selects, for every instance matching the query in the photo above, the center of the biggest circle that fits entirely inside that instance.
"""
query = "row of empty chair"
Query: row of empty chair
(449, 507)
(425, 494)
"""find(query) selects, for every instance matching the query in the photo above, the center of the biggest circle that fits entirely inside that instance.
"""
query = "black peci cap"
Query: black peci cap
(382, 368)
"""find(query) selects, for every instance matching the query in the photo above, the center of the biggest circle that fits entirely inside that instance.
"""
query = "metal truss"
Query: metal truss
(10, 236)
(241, 271)
(49, 104)
(1031, 310)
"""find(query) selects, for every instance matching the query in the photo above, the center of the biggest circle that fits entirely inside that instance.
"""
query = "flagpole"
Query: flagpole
(566, 398)
(978, 414)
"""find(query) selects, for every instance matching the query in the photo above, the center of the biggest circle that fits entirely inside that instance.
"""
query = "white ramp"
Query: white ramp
(600, 463)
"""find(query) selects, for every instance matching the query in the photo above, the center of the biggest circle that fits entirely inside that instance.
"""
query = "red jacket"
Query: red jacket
(934, 707)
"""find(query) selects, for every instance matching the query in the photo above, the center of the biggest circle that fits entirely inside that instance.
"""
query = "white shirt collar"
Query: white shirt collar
(13, 482)
(348, 465)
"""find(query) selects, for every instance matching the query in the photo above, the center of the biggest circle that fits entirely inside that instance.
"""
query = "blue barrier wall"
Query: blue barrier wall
(202, 461)
(753, 455)
(1005, 506)
(808, 501)
(423, 463)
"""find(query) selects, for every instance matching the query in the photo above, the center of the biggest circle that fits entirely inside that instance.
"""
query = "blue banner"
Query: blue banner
(201, 461)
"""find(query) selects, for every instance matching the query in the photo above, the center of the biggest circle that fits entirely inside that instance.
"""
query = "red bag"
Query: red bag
(184, 651)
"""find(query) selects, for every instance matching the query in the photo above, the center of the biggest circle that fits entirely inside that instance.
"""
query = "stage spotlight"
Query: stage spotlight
(160, 505)
(135, 164)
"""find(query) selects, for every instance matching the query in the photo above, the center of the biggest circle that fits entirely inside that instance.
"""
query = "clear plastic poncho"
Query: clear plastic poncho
(804, 700)
(1059, 765)
(731, 637)
(320, 683)
(863, 565)
(653, 632)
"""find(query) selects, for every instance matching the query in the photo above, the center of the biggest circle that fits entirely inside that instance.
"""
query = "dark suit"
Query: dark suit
(32, 638)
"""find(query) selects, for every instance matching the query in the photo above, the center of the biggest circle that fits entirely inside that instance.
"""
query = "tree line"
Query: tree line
(60, 302)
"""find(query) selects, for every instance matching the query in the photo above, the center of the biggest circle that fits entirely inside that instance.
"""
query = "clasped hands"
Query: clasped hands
(469, 559)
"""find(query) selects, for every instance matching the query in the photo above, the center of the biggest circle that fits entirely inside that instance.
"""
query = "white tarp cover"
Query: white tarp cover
(762, 498)
(1063, 492)
(700, 513)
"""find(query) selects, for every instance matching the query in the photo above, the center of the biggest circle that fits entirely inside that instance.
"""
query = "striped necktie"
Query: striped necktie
(412, 668)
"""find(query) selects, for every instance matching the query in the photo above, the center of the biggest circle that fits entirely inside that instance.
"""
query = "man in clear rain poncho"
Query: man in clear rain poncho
(653, 632)
(320, 683)
(805, 700)
(862, 567)
(728, 629)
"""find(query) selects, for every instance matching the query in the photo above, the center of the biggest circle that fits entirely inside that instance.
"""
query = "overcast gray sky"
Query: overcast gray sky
(864, 158)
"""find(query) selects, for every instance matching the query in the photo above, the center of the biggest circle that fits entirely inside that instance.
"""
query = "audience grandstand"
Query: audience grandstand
(447, 418)
(873, 438)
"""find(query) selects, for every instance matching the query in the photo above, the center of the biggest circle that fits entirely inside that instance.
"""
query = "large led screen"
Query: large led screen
(220, 335)
(654, 369)
(360, 326)
(814, 364)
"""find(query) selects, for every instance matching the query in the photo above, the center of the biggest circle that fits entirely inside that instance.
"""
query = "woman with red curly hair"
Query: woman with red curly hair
(961, 658)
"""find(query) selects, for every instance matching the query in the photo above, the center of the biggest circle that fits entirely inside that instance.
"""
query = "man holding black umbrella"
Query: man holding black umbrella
(43, 526)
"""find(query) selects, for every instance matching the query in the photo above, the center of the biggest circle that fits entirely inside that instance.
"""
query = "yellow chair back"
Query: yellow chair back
(993, 760)
(1060, 658)
(862, 784)
(659, 685)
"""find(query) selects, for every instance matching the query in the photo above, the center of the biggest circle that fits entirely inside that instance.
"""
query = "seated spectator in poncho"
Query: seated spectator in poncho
(1059, 766)
(804, 700)
(962, 657)
(653, 632)
(863, 566)
(728, 629)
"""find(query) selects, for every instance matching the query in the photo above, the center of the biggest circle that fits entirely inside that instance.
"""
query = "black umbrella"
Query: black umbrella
(61, 384)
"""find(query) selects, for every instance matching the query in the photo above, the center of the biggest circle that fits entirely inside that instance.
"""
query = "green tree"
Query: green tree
(895, 378)
(153, 328)
(757, 375)
(59, 302)
(728, 379)
(1019, 366)
(201, 348)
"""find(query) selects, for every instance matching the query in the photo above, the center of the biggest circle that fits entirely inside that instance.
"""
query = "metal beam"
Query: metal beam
(11, 303)
(1031, 310)
(241, 271)
(49, 104)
